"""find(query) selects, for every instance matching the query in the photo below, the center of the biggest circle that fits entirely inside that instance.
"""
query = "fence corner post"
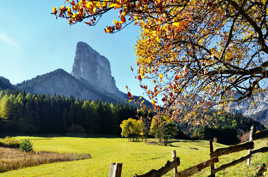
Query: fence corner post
(212, 166)
(250, 139)
(116, 170)
(174, 156)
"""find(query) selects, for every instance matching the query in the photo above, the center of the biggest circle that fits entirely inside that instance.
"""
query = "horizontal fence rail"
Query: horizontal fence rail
(116, 168)
(162, 171)
(232, 149)
(195, 169)
(264, 149)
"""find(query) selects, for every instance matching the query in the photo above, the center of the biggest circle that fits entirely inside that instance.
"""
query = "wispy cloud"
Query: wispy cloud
(5, 38)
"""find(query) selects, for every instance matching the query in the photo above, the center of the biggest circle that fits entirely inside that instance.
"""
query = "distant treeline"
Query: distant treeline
(30, 114)
(226, 127)
(22, 113)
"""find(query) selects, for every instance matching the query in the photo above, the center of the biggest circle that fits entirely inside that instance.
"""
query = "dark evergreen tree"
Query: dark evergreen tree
(29, 114)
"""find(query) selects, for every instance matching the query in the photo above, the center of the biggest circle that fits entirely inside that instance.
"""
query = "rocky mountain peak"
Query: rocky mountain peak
(5, 84)
(94, 68)
(82, 47)
(90, 79)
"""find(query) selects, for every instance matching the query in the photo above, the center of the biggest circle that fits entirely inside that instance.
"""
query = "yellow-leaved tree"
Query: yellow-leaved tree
(203, 51)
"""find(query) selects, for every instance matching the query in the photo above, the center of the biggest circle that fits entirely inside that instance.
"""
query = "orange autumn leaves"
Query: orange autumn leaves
(77, 11)
(186, 47)
(128, 11)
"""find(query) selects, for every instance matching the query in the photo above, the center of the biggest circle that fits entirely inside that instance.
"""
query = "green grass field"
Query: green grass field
(137, 157)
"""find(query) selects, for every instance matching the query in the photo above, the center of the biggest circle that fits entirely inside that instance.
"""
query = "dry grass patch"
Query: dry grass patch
(11, 159)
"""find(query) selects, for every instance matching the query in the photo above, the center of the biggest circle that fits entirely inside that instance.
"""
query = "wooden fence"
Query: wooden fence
(116, 168)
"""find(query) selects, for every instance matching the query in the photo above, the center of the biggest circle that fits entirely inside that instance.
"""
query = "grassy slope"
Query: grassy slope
(136, 157)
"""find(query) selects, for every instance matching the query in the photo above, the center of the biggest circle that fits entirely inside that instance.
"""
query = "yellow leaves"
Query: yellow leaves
(62, 7)
(176, 24)
(74, 16)
(161, 76)
(115, 5)
(173, 36)
(75, 7)
(69, 12)
(109, 29)
(144, 60)
(147, 49)
(233, 53)
(89, 4)
(116, 22)
(214, 53)
(54, 10)
(101, 5)
(229, 56)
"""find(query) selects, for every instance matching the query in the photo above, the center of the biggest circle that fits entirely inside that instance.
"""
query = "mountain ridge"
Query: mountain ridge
(5, 84)
(90, 79)
(256, 107)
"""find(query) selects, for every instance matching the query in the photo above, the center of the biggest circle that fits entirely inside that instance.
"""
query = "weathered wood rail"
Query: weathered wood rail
(214, 158)
(197, 168)
(162, 171)
(232, 149)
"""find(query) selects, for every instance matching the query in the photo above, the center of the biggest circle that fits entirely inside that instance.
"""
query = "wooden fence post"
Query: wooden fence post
(250, 139)
(116, 170)
(174, 156)
(212, 166)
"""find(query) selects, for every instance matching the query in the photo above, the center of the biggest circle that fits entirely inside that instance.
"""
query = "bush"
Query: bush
(10, 142)
(26, 146)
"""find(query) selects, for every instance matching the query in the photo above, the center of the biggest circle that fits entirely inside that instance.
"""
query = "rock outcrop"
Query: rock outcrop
(90, 79)
(5, 84)
(59, 82)
(94, 68)
(255, 107)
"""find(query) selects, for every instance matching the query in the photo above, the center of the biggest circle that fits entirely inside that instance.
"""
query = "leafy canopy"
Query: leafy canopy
(215, 49)
(131, 127)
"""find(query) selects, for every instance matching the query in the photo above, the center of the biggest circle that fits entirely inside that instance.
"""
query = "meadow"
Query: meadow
(137, 157)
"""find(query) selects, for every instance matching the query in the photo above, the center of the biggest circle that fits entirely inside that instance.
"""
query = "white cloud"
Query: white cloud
(9, 40)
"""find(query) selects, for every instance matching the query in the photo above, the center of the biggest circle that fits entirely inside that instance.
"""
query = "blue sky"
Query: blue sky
(33, 42)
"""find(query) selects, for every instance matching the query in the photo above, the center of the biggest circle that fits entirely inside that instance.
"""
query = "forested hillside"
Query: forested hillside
(30, 114)
(23, 113)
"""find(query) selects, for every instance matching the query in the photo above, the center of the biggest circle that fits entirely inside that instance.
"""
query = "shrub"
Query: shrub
(11, 159)
(26, 146)
(10, 142)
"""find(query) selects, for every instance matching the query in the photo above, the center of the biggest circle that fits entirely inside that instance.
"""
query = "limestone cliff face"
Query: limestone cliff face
(90, 79)
(94, 68)
(59, 82)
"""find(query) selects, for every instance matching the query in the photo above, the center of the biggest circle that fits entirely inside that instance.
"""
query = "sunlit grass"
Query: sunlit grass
(137, 157)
